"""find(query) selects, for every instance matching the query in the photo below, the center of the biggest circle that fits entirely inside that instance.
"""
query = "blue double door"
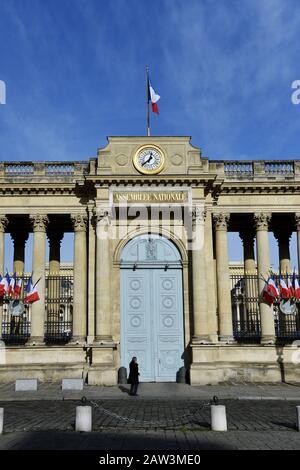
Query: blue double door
(152, 321)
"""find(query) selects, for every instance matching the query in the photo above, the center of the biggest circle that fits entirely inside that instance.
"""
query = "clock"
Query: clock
(149, 159)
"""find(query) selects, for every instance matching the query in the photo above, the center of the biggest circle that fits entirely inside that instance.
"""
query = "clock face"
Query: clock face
(149, 159)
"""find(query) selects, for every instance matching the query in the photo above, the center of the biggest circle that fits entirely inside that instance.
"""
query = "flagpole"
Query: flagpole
(147, 98)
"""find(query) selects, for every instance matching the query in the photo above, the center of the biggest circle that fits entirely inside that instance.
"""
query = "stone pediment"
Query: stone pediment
(181, 157)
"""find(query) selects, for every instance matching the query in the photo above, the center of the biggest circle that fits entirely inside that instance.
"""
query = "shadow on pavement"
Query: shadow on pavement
(123, 440)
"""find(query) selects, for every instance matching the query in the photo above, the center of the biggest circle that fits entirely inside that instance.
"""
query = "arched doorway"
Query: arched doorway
(152, 307)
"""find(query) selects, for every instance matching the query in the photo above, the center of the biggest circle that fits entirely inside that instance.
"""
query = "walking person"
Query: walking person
(133, 376)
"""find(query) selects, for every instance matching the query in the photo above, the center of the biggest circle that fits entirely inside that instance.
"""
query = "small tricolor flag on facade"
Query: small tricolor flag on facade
(31, 292)
(284, 290)
(18, 288)
(12, 285)
(296, 287)
(270, 291)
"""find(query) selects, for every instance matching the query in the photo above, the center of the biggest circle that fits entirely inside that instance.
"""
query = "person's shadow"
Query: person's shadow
(124, 389)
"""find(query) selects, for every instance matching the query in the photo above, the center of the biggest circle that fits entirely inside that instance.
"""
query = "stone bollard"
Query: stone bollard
(1, 419)
(122, 375)
(218, 416)
(83, 418)
(298, 417)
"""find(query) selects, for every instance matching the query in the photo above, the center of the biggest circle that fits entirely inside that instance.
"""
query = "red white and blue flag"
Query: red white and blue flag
(284, 290)
(3, 286)
(18, 288)
(31, 292)
(296, 286)
(270, 291)
(153, 97)
(12, 285)
(290, 287)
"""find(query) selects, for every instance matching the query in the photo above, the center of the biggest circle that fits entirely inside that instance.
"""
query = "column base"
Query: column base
(103, 339)
(202, 339)
(77, 341)
(268, 339)
(228, 339)
(36, 341)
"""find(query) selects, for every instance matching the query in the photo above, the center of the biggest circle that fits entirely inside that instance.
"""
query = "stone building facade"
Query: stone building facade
(151, 275)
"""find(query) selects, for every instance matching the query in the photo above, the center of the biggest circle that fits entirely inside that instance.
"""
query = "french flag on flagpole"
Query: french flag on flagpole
(290, 286)
(153, 97)
(4, 284)
(270, 292)
(32, 294)
(285, 292)
(12, 285)
(296, 286)
(18, 288)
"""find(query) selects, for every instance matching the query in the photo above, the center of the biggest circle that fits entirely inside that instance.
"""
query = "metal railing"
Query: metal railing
(16, 329)
(245, 313)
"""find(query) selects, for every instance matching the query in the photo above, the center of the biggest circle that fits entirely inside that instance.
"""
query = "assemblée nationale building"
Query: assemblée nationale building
(151, 275)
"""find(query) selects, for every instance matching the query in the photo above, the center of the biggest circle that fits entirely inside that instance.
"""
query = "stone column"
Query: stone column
(261, 221)
(297, 223)
(80, 279)
(223, 277)
(283, 240)
(201, 326)
(55, 238)
(19, 239)
(39, 223)
(247, 237)
(103, 306)
(3, 225)
(91, 275)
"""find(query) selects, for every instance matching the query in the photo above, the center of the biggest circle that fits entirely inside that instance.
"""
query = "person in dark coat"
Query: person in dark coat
(133, 376)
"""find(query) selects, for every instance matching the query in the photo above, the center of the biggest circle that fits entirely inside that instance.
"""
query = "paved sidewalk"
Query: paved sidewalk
(144, 423)
(167, 391)
(150, 414)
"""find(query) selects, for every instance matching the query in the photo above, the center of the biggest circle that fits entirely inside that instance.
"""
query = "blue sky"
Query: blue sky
(75, 73)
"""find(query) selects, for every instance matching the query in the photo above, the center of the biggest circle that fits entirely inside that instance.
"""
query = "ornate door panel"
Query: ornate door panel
(136, 321)
(168, 304)
(152, 308)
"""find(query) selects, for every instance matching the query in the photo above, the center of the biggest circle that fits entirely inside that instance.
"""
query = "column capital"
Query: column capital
(262, 220)
(79, 222)
(19, 236)
(39, 222)
(247, 236)
(198, 215)
(282, 235)
(55, 236)
(3, 222)
(103, 215)
(221, 220)
(297, 220)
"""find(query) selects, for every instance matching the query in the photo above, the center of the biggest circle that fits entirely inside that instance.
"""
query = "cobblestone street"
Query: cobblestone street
(150, 424)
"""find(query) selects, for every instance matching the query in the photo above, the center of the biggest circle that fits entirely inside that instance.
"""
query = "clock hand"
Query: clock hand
(147, 161)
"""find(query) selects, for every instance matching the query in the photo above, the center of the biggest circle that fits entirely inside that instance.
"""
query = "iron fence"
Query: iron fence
(16, 326)
(245, 313)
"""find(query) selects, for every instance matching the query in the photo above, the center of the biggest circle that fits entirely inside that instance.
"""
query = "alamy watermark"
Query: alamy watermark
(2, 92)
